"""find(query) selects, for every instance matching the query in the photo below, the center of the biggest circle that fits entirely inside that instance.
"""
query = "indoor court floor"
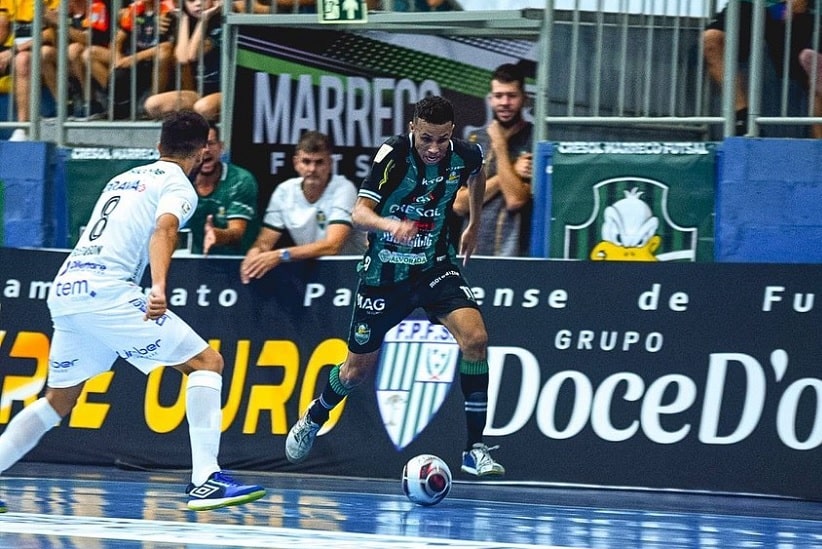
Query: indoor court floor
(99, 508)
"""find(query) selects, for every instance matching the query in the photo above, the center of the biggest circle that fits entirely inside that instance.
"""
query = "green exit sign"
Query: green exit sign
(342, 11)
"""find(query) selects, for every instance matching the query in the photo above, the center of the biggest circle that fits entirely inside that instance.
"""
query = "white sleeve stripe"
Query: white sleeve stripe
(365, 193)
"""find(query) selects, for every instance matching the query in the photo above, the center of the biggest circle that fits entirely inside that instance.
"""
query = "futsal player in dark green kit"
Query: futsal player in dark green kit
(405, 205)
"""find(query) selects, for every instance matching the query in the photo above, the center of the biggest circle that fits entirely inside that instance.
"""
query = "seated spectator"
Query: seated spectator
(314, 208)
(225, 220)
(776, 14)
(142, 50)
(23, 16)
(79, 24)
(198, 30)
(6, 39)
(82, 18)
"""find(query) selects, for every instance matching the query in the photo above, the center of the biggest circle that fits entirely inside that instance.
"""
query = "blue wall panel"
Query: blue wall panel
(26, 169)
(769, 201)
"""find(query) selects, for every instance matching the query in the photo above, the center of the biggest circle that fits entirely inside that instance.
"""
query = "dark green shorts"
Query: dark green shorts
(379, 308)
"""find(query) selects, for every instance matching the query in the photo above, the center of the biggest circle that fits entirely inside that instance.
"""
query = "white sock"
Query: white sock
(25, 430)
(205, 417)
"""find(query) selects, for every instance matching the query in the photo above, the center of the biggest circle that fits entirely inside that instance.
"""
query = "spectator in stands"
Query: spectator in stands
(82, 19)
(507, 143)
(422, 5)
(88, 30)
(288, 6)
(6, 39)
(225, 221)
(48, 57)
(7, 63)
(199, 33)
(809, 58)
(144, 42)
(776, 38)
(314, 208)
(23, 16)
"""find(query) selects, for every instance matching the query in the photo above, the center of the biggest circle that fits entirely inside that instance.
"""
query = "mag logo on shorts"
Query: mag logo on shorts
(417, 366)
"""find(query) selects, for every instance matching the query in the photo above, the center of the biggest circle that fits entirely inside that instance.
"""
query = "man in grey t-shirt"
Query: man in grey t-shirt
(506, 142)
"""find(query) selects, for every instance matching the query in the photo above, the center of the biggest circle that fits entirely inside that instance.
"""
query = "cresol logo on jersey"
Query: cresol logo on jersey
(417, 211)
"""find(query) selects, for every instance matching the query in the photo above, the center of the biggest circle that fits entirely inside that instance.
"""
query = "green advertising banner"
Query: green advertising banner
(633, 201)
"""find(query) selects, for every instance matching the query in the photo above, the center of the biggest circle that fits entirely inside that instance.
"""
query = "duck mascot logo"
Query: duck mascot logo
(630, 222)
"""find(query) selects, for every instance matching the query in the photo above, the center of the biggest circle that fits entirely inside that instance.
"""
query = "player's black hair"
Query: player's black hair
(314, 142)
(508, 74)
(434, 109)
(183, 134)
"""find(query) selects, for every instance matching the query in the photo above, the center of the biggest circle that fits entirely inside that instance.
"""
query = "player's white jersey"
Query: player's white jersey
(112, 253)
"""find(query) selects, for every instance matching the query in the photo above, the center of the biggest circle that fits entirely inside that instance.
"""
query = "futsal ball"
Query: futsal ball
(426, 479)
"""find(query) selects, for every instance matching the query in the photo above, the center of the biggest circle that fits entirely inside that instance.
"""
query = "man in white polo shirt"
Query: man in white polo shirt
(314, 208)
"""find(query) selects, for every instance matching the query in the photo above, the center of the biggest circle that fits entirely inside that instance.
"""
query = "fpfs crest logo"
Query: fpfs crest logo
(417, 367)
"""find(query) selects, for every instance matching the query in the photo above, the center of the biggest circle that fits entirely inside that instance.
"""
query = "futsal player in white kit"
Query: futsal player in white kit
(100, 312)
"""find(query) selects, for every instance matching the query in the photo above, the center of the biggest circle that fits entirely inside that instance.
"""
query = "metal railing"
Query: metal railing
(599, 71)
(111, 118)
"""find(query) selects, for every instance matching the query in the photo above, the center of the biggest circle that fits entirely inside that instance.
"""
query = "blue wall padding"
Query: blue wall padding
(60, 200)
(26, 170)
(769, 201)
(541, 217)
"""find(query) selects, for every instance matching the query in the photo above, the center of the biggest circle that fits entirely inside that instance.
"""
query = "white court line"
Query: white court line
(222, 535)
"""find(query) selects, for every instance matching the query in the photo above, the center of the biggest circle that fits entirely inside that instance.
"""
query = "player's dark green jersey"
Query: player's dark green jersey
(404, 187)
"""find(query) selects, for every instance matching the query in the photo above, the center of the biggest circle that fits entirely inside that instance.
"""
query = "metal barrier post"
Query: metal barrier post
(36, 80)
(543, 74)
(62, 73)
(755, 74)
(228, 70)
(731, 68)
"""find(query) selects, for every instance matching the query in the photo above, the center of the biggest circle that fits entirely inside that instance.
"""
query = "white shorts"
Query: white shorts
(87, 344)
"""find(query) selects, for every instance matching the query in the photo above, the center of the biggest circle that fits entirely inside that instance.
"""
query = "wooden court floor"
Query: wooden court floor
(100, 508)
